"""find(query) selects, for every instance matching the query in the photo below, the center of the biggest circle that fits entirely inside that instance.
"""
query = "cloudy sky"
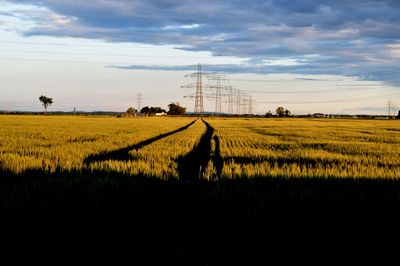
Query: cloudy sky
(310, 56)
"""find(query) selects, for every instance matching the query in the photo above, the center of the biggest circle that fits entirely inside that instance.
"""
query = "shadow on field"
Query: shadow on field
(282, 161)
(107, 217)
(193, 165)
(217, 158)
(310, 162)
(123, 154)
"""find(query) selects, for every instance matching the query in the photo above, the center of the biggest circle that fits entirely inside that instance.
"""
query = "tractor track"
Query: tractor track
(193, 165)
(123, 153)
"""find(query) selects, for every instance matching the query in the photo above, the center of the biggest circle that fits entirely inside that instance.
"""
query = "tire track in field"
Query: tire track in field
(123, 154)
(193, 165)
(217, 159)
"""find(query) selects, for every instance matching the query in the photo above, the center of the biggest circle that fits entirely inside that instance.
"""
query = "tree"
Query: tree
(46, 102)
(155, 110)
(131, 111)
(268, 114)
(280, 111)
(145, 110)
(176, 109)
(398, 115)
(151, 110)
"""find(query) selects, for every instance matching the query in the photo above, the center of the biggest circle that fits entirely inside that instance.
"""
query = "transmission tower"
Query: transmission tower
(230, 100)
(218, 96)
(250, 105)
(238, 101)
(244, 104)
(389, 105)
(219, 91)
(241, 103)
(139, 101)
(199, 102)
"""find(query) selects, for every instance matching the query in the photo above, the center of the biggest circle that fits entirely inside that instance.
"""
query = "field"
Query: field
(102, 189)
(237, 148)
(309, 148)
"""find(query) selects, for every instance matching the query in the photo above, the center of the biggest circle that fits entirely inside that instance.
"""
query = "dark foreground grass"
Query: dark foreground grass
(71, 218)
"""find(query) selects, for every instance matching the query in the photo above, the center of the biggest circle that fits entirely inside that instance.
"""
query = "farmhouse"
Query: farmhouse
(160, 114)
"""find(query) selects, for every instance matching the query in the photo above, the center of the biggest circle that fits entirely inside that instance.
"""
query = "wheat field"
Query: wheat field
(207, 188)
(322, 148)
(239, 147)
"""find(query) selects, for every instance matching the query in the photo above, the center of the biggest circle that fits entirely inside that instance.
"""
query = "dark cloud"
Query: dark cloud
(239, 68)
(349, 37)
(6, 14)
(318, 67)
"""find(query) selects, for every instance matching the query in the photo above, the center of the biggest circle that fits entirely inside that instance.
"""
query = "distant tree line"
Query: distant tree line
(151, 110)
(280, 112)
(174, 109)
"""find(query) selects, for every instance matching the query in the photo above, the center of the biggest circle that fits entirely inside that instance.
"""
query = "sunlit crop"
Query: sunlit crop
(158, 159)
(51, 143)
(309, 148)
(240, 148)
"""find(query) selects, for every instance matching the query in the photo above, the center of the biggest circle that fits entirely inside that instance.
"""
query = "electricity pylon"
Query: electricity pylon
(199, 85)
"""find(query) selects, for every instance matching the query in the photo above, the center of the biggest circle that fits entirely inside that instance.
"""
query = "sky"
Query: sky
(329, 56)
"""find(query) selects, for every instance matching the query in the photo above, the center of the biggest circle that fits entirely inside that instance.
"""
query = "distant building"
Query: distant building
(160, 114)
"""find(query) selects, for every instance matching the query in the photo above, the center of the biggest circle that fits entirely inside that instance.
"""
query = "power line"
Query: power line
(331, 101)
(303, 79)
(58, 61)
(313, 91)
(218, 91)
(121, 45)
(274, 81)
(102, 54)
(67, 61)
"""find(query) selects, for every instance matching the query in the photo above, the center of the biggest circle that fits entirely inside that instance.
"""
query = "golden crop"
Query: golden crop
(309, 148)
(159, 158)
(51, 143)
(247, 148)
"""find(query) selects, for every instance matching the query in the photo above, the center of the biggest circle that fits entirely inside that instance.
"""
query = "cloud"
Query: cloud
(373, 72)
(236, 68)
(355, 37)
